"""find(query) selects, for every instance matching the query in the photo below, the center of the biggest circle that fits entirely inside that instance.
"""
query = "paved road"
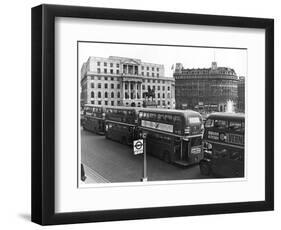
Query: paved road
(117, 163)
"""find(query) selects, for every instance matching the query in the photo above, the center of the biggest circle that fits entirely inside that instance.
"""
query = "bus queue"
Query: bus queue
(176, 136)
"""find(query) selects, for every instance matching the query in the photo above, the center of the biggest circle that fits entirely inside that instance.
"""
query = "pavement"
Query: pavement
(93, 177)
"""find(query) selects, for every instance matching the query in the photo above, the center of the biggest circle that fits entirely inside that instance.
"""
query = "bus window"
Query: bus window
(161, 117)
(237, 156)
(169, 118)
(197, 141)
(147, 116)
(152, 116)
(141, 115)
(209, 123)
(144, 115)
(177, 119)
(235, 126)
(166, 138)
(220, 124)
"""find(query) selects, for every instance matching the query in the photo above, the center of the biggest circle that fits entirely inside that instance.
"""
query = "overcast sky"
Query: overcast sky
(190, 57)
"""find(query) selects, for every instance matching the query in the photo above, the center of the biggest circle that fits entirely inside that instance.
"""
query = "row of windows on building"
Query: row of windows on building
(106, 102)
(100, 78)
(215, 93)
(112, 103)
(112, 86)
(148, 74)
(117, 66)
(106, 94)
(154, 87)
(206, 87)
(105, 64)
(206, 76)
(197, 72)
(208, 81)
(105, 71)
(111, 71)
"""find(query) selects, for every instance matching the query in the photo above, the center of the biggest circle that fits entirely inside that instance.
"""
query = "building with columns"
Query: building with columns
(121, 81)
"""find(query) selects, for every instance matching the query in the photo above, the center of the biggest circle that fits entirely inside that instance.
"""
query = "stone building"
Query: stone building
(126, 82)
(205, 89)
(241, 95)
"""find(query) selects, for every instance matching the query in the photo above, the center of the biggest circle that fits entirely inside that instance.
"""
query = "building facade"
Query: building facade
(121, 81)
(205, 89)
(241, 95)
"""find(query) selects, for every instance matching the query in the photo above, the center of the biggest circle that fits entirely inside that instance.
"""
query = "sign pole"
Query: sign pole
(144, 179)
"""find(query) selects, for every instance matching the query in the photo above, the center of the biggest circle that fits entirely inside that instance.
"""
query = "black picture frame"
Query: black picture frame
(43, 113)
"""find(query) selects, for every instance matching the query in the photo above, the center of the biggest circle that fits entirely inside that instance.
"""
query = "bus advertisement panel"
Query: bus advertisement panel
(224, 145)
(173, 135)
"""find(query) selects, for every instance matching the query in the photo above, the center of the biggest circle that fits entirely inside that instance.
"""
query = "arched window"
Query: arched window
(99, 94)
(112, 94)
(92, 94)
(106, 95)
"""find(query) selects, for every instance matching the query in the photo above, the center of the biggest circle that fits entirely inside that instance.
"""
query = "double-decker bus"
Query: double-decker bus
(94, 118)
(224, 145)
(173, 135)
(121, 124)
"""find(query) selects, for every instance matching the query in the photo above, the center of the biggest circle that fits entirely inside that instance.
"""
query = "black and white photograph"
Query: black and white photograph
(160, 112)
(150, 114)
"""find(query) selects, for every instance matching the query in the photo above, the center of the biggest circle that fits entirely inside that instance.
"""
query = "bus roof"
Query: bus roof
(185, 113)
(227, 116)
(123, 108)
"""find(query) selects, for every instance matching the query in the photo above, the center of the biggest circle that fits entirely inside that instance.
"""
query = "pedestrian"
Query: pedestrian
(83, 176)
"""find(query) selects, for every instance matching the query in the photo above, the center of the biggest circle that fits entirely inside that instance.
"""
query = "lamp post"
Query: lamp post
(144, 179)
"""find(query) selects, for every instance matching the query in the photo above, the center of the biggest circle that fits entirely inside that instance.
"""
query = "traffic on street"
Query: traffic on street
(109, 161)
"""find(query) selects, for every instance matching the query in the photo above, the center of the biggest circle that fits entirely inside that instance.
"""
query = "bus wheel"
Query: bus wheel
(205, 168)
(166, 157)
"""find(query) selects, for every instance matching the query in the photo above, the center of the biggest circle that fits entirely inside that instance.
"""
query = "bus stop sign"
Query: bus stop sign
(138, 146)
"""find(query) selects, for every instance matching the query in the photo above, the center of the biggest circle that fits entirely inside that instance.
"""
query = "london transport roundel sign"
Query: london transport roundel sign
(138, 146)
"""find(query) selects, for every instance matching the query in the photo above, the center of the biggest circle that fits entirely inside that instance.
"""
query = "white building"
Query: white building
(125, 81)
